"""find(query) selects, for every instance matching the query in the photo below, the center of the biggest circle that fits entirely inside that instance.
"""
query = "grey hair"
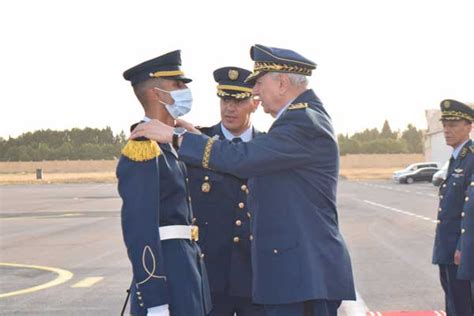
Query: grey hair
(295, 79)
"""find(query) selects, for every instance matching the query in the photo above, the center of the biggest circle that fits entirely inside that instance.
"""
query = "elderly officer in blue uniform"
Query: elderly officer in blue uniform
(300, 262)
(169, 277)
(220, 203)
(457, 125)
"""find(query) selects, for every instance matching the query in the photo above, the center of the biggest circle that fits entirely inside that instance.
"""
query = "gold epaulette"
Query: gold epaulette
(141, 150)
(472, 148)
(298, 106)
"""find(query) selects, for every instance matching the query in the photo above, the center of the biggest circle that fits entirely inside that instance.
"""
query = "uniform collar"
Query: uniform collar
(458, 149)
(146, 119)
(283, 109)
(246, 135)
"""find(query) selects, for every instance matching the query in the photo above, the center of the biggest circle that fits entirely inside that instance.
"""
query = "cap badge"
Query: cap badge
(233, 74)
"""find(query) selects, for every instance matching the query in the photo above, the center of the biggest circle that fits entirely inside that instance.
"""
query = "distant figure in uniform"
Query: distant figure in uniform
(300, 262)
(457, 124)
(169, 277)
(220, 203)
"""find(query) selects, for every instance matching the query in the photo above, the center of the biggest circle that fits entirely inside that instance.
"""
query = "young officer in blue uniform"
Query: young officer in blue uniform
(300, 262)
(169, 277)
(457, 124)
(220, 203)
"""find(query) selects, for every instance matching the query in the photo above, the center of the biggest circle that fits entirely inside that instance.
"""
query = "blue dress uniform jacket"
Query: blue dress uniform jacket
(220, 205)
(298, 253)
(154, 194)
(452, 195)
(466, 268)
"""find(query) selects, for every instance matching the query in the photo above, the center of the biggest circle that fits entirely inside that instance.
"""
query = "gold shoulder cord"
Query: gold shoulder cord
(207, 153)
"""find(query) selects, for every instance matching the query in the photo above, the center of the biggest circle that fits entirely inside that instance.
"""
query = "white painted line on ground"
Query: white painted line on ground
(40, 217)
(87, 282)
(399, 190)
(400, 211)
(63, 276)
(355, 308)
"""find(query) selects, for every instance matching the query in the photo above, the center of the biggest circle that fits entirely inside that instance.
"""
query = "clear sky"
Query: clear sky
(61, 62)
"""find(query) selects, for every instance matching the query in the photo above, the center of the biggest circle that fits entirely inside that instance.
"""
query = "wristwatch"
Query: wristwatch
(177, 133)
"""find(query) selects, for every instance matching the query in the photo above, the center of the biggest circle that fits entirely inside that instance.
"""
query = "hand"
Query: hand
(154, 130)
(457, 257)
(161, 310)
(188, 126)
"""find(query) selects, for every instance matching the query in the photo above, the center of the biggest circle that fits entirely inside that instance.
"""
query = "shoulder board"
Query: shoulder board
(298, 106)
(464, 152)
(472, 148)
(143, 150)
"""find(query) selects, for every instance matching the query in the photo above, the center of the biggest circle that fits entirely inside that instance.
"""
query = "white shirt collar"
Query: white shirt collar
(458, 150)
(283, 109)
(246, 135)
(146, 119)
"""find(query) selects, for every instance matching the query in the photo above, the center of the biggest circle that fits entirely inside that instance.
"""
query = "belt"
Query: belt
(179, 232)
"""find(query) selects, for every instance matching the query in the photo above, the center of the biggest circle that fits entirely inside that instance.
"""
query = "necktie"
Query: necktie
(451, 165)
(236, 140)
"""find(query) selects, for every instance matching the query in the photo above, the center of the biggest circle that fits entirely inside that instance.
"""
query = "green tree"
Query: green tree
(414, 139)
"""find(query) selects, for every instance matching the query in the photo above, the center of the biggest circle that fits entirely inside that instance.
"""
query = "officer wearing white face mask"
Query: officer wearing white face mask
(169, 277)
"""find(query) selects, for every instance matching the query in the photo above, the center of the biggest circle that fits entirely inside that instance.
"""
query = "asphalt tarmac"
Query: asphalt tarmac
(61, 248)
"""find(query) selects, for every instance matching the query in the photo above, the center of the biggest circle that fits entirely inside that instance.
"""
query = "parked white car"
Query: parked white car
(440, 176)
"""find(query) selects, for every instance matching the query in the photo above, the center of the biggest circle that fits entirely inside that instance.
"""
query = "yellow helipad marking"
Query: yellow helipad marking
(88, 282)
(40, 217)
(63, 276)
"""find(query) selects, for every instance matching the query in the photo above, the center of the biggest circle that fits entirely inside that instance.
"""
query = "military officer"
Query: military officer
(300, 263)
(457, 124)
(169, 277)
(220, 203)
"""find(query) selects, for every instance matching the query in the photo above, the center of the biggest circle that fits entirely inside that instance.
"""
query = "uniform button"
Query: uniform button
(141, 305)
(251, 237)
(139, 293)
(438, 221)
(189, 199)
(462, 231)
(463, 214)
(472, 184)
(466, 199)
(187, 180)
(440, 209)
(444, 185)
(454, 183)
(139, 298)
(241, 205)
(238, 222)
(236, 239)
(249, 215)
(202, 256)
(193, 221)
(243, 187)
(441, 197)
(275, 251)
(206, 178)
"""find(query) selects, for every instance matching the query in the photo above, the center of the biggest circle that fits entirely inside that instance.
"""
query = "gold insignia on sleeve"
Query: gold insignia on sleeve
(446, 104)
(151, 274)
(207, 153)
(141, 150)
(297, 106)
(233, 74)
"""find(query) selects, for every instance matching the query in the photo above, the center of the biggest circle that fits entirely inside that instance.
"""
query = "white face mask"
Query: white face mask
(183, 101)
